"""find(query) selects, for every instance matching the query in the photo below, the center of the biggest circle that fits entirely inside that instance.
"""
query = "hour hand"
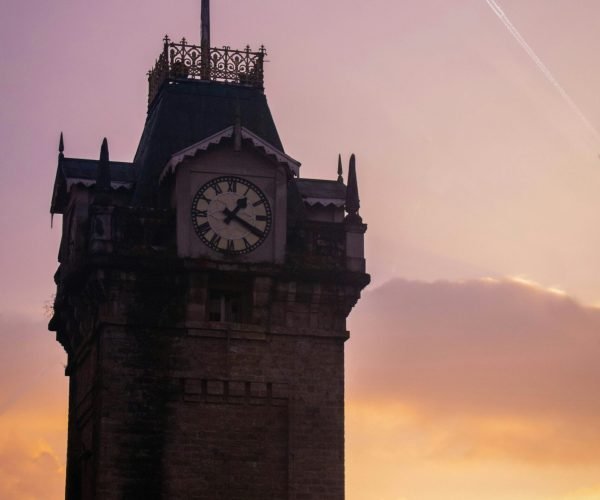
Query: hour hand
(232, 215)
(239, 205)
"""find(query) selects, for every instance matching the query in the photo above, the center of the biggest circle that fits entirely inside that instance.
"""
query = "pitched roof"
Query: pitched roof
(268, 149)
(82, 172)
(322, 192)
(186, 112)
(85, 171)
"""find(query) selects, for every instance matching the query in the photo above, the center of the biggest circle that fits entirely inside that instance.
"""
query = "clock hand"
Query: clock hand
(231, 215)
(241, 203)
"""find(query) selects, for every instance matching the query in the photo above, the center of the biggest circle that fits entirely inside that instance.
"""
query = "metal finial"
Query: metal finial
(352, 199)
(205, 40)
(103, 179)
(61, 146)
(237, 127)
(340, 170)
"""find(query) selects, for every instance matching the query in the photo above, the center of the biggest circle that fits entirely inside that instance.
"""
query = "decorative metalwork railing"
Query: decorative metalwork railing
(181, 61)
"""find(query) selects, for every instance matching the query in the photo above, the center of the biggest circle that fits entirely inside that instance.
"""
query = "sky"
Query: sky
(472, 366)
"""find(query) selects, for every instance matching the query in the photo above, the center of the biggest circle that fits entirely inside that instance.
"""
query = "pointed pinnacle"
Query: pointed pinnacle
(340, 169)
(104, 158)
(352, 198)
(103, 176)
(61, 144)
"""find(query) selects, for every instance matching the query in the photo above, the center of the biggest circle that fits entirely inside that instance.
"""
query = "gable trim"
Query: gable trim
(215, 139)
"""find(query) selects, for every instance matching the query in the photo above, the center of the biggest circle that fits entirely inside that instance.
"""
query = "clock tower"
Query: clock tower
(202, 297)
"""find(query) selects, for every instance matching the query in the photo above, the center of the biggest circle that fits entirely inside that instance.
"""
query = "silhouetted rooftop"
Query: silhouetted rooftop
(185, 112)
(78, 171)
(322, 192)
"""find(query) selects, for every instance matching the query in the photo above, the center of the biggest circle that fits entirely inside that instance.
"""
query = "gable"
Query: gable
(262, 146)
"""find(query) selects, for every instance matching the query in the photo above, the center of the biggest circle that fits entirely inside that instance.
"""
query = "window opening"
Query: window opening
(225, 306)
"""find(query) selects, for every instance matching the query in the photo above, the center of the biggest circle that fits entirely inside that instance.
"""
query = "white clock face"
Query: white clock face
(231, 215)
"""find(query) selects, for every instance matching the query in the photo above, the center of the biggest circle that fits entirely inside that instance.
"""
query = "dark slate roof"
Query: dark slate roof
(73, 171)
(322, 192)
(78, 168)
(184, 113)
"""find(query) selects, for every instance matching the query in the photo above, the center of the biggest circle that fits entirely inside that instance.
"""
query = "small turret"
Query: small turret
(355, 229)
(101, 209)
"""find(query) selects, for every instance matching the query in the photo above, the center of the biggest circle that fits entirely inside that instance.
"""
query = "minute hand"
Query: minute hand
(256, 232)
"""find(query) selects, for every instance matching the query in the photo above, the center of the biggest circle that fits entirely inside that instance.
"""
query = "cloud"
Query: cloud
(30, 358)
(488, 386)
(29, 470)
(486, 369)
(33, 411)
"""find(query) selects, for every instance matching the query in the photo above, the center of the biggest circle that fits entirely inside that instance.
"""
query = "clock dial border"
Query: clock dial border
(204, 229)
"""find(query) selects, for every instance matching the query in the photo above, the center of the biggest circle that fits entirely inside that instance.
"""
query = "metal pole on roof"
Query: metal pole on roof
(205, 40)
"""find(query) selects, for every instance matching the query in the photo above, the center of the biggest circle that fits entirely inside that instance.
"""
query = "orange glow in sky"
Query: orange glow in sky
(472, 368)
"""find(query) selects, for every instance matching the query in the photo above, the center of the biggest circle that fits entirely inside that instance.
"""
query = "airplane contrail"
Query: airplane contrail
(541, 66)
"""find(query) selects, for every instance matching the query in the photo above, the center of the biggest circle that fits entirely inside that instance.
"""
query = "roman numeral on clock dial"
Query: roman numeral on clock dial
(204, 228)
(215, 240)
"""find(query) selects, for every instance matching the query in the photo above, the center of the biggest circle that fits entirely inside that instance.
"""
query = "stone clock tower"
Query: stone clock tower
(202, 297)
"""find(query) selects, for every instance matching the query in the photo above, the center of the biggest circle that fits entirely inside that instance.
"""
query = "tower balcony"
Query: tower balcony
(182, 61)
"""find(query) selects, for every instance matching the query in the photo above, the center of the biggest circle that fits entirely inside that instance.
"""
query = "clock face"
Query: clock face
(231, 215)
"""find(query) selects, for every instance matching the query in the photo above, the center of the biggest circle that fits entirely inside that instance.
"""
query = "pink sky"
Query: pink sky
(479, 184)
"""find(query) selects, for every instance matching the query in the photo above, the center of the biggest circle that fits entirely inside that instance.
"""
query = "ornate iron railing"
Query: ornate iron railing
(182, 61)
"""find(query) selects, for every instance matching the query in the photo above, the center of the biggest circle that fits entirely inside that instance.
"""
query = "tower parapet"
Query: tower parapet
(183, 61)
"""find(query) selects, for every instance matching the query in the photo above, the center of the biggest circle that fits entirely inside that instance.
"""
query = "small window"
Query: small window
(225, 306)
(229, 298)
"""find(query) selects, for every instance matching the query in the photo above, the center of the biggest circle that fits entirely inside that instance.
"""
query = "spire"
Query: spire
(205, 40)
(103, 178)
(61, 147)
(340, 169)
(61, 157)
(352, 199)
